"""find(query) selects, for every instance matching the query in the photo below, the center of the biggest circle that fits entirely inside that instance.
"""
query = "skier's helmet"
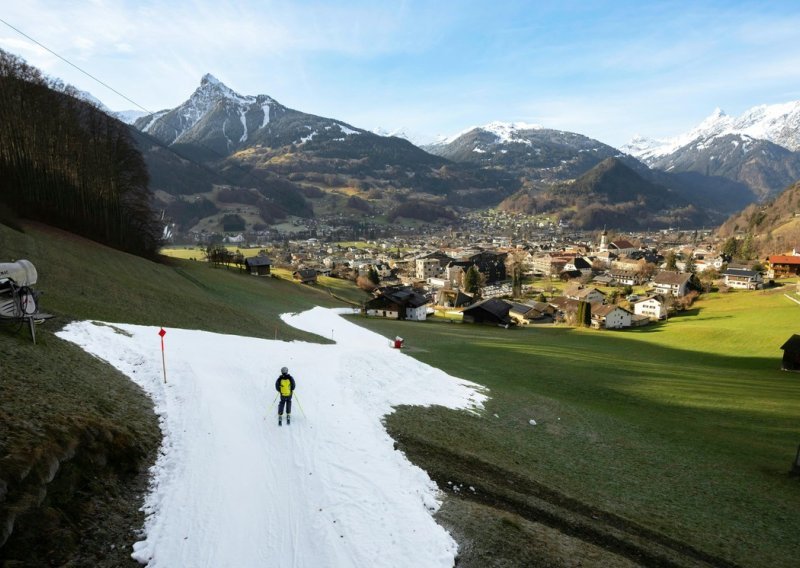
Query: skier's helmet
(284, 370)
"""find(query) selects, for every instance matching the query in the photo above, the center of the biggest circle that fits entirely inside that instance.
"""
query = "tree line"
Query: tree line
(66, 163)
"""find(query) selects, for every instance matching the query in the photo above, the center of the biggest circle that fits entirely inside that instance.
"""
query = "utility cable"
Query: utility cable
(68, 62)
(246, 172)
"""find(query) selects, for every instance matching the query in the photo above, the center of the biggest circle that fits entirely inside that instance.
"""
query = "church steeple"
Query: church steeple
(604, 240)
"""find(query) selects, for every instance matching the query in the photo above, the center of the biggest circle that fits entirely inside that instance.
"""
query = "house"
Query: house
(492, 311)
(258, 265)
(610, 316)
(782, 266)
(581, 264)
(491, 264)
(603, 279)
(453, 298)
(548, 264)
(605, 257)
(427, 268)
(523, 314)
(566, 275)
(586, 294)
(398, 302)
(653, 307)
(305, 276)
(431, 265)
(743, 279)
(674, 283)
(627, 277)
(565, 308)
(791, 354)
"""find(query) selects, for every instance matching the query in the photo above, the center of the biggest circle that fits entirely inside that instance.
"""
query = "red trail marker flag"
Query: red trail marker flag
(162, 333)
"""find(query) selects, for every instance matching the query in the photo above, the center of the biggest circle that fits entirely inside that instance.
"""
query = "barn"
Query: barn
(791, 354)
(258, 265)
(492, 311)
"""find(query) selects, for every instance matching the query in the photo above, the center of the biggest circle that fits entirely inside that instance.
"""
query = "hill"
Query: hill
(767, 228)
(610, 194)
(77, 438)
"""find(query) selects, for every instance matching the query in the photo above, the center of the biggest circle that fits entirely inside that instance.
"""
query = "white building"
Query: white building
(427, 268)
(652, 307)
(609, 316)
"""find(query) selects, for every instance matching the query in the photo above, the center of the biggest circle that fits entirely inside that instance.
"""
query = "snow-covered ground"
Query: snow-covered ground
(232, 489)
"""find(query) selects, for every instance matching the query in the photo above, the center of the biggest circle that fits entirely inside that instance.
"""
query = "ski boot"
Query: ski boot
(279, 419)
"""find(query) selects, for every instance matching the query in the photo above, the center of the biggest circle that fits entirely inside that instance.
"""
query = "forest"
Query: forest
(66, 163)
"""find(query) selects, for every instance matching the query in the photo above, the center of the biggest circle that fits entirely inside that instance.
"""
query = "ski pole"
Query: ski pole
(273, 400)
(301, 407)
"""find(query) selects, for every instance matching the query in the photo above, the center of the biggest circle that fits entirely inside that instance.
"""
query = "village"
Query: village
(501, 271)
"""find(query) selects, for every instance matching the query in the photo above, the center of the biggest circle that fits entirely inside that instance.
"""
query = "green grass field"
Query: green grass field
(686, 427)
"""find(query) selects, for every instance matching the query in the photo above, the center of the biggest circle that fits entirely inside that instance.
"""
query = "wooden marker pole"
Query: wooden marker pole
(162, 333)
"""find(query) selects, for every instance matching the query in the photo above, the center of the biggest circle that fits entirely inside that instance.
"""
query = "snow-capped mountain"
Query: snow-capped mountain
(758, 148)
(540, 154)
(214, 115)
(504, 132)
(222, 128)
(779, 124)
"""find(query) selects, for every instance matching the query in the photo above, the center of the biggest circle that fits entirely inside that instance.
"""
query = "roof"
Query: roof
(784, 259)
(496, 307)
(602, 310)
(564, 304)
(581, 262)
(583, 293)
(655, 297)
(740, 272)
(259, 260)
(672, 278)
(792, 344)
(306, 273)
(622, 244)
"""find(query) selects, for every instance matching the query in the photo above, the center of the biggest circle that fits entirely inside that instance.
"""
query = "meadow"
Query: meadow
(687, 428)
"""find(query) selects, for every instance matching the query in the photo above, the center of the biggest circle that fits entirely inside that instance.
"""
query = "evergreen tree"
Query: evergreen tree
(689, 264)
(671, 261)
(731, 247)
(373, 276)
(472, 279)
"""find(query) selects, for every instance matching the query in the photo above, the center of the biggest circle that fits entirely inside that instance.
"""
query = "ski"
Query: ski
(288, 420)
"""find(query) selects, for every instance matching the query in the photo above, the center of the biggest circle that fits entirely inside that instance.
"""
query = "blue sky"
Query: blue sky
(608, 70)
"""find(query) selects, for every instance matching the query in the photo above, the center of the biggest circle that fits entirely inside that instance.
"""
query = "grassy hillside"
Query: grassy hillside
(76, 436)
(680, 434)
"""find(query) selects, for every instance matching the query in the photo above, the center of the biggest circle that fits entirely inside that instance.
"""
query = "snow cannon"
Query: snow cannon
(22, 272)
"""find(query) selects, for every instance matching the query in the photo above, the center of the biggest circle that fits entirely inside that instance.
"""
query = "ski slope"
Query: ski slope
(232, 489)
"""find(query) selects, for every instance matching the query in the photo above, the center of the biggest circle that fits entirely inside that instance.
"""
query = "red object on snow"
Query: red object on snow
(162, 333)
(398, 342)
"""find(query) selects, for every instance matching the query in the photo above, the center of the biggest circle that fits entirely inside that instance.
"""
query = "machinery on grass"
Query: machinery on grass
(18, 300)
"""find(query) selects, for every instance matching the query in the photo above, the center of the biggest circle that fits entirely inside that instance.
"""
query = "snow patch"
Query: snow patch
(244, 125)
(232, 489)
(345, 130)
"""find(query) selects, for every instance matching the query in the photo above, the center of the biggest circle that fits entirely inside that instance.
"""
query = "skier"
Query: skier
(285, 386)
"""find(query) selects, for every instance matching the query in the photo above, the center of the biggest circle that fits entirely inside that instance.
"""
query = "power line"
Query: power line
(219, 173)
(68, 62)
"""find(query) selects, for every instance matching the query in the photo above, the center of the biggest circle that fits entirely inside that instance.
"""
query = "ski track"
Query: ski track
(232, 489)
